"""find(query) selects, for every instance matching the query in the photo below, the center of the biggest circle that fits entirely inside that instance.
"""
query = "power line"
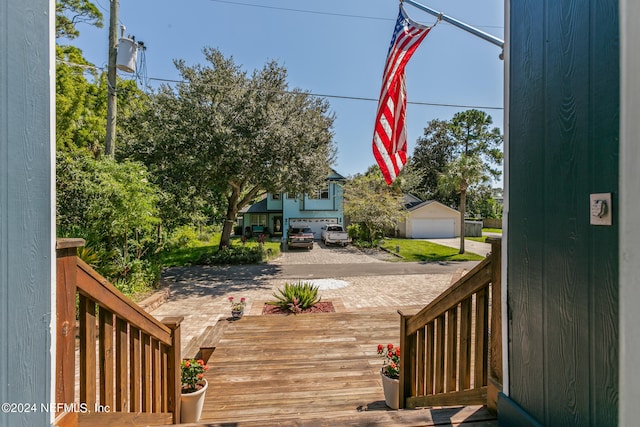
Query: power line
(317, 12)
(360, 98)
(322, 95)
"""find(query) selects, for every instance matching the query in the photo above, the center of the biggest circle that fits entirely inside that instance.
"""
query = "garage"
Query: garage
(429, 220)
(433, 228)
(315, 224)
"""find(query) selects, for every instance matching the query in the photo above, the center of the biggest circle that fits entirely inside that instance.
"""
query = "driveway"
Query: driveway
(469, 245)
(353, 280)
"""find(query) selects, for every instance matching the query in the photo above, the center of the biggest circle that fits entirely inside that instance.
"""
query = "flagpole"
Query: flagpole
(468, 28)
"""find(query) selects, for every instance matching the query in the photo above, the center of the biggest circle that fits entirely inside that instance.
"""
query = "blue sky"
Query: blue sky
(326, 53)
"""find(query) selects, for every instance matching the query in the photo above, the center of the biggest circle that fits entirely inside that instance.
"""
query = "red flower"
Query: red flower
(187, 364)
(389, 346)
(393, 365)
(390, 354)
(201, 362)
(398, 351)
(380, 348)
(200, 376)
(243, 299)
(205, 367)
(230, 299)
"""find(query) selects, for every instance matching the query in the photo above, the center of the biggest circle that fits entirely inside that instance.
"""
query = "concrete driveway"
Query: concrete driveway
(472, 246)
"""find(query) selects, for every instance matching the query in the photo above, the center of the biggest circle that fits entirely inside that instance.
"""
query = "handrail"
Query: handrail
(115, 301)
(129, 362)
(452, 348)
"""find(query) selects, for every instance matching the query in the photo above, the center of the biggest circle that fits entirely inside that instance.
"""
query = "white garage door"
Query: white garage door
(432, 228)
(315, 224)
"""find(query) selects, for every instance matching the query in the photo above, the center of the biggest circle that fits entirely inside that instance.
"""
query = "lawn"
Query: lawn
(492, 230)
(189, 255)
(420, 250)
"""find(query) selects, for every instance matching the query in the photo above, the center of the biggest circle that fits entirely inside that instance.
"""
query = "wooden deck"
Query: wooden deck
(319, 369)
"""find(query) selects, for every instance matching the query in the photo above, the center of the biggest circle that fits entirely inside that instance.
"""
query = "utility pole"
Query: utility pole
(110, 146)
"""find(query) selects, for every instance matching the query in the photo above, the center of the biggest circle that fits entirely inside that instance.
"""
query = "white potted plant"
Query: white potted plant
(237, 307)
(390, 374)
(194, 387)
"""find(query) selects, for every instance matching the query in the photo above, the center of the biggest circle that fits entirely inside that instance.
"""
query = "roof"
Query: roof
(430, 202)
(335, 176)
(258, 207)
(410, 200)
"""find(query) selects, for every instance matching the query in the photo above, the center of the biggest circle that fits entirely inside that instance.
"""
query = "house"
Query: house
(276, 211)
(429, 220)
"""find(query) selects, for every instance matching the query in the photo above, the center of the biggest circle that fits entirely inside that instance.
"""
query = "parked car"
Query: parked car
(300, 236)
(335, 233)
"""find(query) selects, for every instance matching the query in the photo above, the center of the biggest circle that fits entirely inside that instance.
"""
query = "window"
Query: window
(275, 196)
(321, 193)
(291, 196)
(259, 220)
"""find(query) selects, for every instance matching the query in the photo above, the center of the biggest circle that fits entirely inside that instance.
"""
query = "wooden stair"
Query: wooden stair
(320, 369)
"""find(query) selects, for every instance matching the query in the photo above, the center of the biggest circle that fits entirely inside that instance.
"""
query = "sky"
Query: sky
(334, 48)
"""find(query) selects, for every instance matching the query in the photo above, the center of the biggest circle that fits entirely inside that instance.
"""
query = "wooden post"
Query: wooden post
(175, 359)
(495, 361)
(405, 362)
(66, 250)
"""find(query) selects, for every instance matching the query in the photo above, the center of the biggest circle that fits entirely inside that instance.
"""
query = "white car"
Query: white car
(335, 233)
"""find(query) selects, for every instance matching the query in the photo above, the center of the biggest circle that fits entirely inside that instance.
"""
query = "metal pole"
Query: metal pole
(109, 146)
(476, 32)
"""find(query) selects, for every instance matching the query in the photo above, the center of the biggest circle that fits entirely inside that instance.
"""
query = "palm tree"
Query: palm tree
(464, 172)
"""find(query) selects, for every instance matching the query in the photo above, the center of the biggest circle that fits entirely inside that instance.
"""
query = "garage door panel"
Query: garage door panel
(432, 228)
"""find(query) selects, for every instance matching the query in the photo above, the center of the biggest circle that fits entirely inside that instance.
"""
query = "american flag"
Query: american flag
(390, 133)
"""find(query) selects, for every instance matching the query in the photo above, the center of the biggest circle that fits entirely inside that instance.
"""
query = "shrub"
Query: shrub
(234, 255)
(296, 297)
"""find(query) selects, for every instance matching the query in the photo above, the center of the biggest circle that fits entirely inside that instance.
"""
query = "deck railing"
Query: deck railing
(452, 349)
(129, 362)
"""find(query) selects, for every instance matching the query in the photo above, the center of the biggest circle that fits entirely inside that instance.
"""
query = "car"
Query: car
(299, 236)
(334, 233)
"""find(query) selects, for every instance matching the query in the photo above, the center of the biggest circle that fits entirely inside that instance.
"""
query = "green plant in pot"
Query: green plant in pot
(390, 374)
(194, 387)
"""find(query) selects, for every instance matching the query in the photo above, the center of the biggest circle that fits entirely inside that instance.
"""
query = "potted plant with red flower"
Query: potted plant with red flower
(194, 387)
(237, 307)
(390, 374)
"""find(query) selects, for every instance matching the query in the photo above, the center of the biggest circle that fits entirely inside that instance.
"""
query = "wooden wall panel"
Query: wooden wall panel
(562, 272)
(27, 251)
(526, 205)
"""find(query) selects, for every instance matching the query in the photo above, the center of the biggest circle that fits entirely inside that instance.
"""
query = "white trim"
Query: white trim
(52, 189)
(629, 208)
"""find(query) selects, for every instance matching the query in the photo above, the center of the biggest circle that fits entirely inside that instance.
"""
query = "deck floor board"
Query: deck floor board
(320, 369)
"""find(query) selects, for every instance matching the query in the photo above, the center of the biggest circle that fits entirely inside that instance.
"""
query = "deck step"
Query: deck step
(468, 416)
(310, 370)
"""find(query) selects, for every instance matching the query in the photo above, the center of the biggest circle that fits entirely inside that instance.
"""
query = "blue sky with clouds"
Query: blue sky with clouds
(329, 47)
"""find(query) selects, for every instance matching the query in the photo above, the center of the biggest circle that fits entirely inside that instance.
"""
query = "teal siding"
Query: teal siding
(562, 271)
(27, 250)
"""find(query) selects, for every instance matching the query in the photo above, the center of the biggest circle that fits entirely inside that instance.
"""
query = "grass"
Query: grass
(189, 255)
(420, 250)
(482, 239)
(492, 230)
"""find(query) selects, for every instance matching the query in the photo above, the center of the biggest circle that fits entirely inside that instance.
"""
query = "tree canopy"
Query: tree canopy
(224, 133)
(69, 13)
(458, 156)
(370, 202)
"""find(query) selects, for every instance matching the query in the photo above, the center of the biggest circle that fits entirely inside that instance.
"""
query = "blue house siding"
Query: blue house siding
(285, 209)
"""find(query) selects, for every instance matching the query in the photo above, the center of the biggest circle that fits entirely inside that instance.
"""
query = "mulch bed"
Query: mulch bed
(321, 307)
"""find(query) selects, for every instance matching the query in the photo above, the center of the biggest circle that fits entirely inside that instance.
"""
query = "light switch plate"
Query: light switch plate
(600, 209)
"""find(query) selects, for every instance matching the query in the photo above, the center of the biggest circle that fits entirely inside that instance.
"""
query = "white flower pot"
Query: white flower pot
(191, 405)
(391, 388)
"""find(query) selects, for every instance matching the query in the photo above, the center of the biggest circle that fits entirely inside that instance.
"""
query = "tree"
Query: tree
(459, 175)
(458, 157)
(222, 133)
(69, 13)
(369, 201)
(468, 133)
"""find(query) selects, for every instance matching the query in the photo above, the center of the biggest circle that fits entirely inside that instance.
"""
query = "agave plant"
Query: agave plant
(296, 297)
